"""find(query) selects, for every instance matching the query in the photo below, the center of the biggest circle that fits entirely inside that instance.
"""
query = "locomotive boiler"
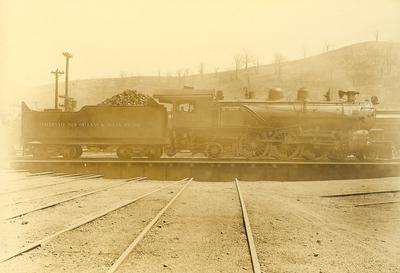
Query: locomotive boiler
(273, 128)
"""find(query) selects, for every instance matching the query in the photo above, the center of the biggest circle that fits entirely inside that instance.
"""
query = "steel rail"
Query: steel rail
(38, 198)
(39, 174)
(32, 177)
(70, 175)
(82, 221)
(25, 179)
(55, 203)
(51, 195)
(53, 184)
(252, 247)
(377, 203)
(17, 185)
(143, 233)
(3, 171)
(358, 193)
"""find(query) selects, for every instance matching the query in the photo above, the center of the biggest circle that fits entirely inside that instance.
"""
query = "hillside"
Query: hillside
(373, 68)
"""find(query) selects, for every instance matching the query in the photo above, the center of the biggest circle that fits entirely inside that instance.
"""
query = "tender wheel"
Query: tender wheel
(123, 152)
(170, 151)
(155, 152)
(337, 155)
(72, 152)
(79, 151)
(40, 152)
(214, 150)
(314, 153)
(367, 155)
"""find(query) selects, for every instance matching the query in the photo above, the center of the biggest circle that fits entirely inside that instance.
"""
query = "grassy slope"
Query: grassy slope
(373, 68)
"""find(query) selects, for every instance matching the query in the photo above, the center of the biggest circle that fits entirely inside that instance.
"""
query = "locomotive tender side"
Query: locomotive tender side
(129, 129)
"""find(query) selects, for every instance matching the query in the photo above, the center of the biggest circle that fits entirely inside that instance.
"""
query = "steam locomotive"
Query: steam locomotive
(202, 122)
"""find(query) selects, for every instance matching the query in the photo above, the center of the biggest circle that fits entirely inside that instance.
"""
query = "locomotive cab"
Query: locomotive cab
(188, 108)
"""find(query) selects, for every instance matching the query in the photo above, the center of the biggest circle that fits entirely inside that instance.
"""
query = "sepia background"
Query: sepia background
(223, 45)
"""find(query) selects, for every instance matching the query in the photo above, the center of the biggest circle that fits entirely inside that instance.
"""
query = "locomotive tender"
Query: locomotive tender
(52, 133)
(200, 121)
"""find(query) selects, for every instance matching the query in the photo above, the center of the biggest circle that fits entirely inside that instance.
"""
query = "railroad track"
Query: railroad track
(17, 190)
(9, 195)
(121, 256)
(85, 220)
(139, 237)
(249, 235)
(246, 223)
(58, 202)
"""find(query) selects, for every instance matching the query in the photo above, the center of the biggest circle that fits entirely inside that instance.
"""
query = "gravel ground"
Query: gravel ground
(18, 232)
(93, 247)
(201, 232)
(294, 228)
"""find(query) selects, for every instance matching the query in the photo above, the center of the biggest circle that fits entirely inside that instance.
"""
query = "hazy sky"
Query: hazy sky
(142, 37)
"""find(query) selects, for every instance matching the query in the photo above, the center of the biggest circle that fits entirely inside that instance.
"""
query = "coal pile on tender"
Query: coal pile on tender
(126, 98)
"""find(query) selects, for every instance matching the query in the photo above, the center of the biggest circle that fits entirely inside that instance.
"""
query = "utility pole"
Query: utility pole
(66, 99)
(56, 74)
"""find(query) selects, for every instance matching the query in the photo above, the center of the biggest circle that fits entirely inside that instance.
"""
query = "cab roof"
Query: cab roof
(167, 95)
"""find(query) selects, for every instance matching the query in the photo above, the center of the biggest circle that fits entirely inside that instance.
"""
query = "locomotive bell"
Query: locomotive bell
(303, 94)
(275, 94)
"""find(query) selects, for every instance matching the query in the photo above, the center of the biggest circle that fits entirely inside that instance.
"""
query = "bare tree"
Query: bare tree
(247, 58)
(278, 60)
(216, 71)
(201, 69)
(326, 47)
(179, 74)
(186, 72)
(238, 63)
(168, 77)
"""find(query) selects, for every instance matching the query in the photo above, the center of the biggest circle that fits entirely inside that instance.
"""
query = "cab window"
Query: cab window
(187, 107)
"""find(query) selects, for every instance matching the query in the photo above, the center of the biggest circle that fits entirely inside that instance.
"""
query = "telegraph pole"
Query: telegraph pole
(56, 74)
(66, 99)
